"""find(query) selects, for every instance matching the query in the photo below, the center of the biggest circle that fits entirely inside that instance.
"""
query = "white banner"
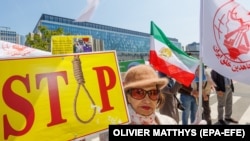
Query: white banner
(225, 38)
(11, 50)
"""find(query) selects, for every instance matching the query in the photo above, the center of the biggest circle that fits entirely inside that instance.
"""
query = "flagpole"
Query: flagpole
(200, 109)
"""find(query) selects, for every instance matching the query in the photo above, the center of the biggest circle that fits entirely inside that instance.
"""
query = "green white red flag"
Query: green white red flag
(169, 59)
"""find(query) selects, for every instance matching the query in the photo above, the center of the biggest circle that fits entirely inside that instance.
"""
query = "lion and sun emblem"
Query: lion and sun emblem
(165, 52)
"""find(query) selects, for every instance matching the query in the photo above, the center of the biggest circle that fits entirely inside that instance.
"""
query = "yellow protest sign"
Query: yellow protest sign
(71, 44)
(60, 97)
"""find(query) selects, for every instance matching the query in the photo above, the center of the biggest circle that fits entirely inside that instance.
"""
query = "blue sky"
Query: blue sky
(177, 18)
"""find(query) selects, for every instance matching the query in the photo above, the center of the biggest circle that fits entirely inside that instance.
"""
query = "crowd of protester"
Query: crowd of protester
(152, 97)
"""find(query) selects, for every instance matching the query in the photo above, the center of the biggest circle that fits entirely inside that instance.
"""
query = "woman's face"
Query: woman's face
(145, 106)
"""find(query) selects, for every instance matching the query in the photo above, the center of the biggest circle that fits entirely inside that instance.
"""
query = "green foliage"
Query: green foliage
(42, 39)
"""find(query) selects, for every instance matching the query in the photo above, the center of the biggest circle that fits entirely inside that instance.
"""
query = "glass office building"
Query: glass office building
(7, 35)
(128, 44)
(193, 49)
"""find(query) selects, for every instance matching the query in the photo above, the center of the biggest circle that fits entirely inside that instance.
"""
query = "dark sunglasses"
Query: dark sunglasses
(139, 94)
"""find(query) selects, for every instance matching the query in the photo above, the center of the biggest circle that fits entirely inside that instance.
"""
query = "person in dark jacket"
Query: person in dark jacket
(224, 90)
(172, 103)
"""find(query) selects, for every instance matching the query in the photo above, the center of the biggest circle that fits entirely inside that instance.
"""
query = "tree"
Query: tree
(42, 39)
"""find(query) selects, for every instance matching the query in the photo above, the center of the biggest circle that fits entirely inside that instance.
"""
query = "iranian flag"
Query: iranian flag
(169, 59)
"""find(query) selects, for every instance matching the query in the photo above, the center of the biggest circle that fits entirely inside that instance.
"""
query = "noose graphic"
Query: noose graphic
(80, 80)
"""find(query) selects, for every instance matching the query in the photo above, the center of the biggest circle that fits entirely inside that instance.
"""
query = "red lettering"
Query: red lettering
(55, 109)
(18, 104)
(105, 87)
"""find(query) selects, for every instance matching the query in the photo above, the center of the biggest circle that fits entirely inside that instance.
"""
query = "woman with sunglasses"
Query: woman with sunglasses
(142, 87)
